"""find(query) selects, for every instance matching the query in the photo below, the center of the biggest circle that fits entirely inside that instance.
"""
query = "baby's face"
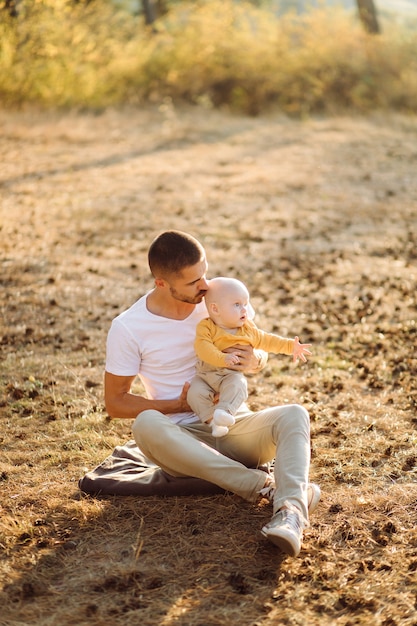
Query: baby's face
(233, 308)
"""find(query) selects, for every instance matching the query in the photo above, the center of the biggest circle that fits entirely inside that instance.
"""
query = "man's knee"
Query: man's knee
(301, 412)
(145, 424)
(297, 417)
(302, 417)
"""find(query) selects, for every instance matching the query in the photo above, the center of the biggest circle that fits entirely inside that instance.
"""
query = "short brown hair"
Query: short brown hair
(172, 251)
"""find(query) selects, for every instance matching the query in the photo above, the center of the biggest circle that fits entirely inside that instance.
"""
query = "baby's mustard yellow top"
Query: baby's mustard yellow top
(211, 340)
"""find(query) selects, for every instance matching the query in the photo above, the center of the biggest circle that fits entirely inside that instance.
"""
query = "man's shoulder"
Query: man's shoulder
(133, 311)
(130, 320)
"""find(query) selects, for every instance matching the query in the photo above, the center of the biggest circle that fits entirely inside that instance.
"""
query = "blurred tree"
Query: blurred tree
(149, 11)
(153, 9)
(368, 16)
(10, 6)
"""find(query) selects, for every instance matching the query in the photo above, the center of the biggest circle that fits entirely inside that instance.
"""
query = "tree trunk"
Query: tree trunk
(11, 7)
(149, 11)
(368, 16)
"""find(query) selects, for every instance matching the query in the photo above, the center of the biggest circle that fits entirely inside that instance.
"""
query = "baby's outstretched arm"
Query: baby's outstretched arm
(300, 350)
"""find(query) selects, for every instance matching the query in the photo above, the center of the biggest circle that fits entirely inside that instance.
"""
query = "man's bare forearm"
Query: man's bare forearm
(123, 404)
(129, 406)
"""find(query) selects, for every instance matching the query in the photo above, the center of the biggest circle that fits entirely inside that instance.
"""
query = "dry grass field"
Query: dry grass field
(319, 218)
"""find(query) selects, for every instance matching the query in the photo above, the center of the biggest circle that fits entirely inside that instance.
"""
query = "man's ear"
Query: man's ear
(159, 282)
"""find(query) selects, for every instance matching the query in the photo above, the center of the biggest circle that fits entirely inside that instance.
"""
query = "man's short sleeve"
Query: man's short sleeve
(122, 351)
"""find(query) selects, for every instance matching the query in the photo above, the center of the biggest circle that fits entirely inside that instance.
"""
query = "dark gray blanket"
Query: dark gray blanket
(127, 472)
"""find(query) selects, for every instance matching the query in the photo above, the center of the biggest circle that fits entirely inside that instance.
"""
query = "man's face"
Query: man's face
(191, 285)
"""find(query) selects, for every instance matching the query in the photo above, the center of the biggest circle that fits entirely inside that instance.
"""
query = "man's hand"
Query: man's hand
(184, 407)
(300, 350)
(248, 360)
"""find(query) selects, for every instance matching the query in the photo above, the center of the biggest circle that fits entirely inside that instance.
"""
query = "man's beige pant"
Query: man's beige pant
(281, 432)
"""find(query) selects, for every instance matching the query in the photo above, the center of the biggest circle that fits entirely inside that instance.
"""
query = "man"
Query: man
(155, 340)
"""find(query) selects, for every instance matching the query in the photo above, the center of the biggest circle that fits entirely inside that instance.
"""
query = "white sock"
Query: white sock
(219, 431)
(223, 418)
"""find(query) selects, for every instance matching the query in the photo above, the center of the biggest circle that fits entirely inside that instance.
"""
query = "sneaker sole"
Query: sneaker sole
(282, 541)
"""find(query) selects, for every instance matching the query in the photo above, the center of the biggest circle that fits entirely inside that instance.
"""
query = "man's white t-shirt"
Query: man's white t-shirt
(158, 349)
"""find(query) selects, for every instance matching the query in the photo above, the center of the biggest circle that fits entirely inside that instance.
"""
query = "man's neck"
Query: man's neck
(158, 304)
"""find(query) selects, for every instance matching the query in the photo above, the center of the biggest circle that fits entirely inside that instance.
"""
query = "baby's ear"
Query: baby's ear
(212, 308)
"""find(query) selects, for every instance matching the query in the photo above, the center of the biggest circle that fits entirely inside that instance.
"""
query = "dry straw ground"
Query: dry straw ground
(319, 218)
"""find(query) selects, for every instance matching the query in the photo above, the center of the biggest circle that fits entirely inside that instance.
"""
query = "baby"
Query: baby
(228, 324)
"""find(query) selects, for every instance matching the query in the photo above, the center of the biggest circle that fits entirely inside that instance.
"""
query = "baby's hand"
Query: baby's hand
(300, 350)
(231, 359)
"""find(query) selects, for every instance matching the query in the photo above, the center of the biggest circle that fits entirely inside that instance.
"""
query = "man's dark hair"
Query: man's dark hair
(172, 251)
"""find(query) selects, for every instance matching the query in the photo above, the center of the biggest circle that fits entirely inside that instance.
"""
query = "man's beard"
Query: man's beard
(182, 298)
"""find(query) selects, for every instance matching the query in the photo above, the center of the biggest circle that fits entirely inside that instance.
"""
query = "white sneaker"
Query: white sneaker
(285, 530)
(313, 497)
(268, 491)
(313, 494)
